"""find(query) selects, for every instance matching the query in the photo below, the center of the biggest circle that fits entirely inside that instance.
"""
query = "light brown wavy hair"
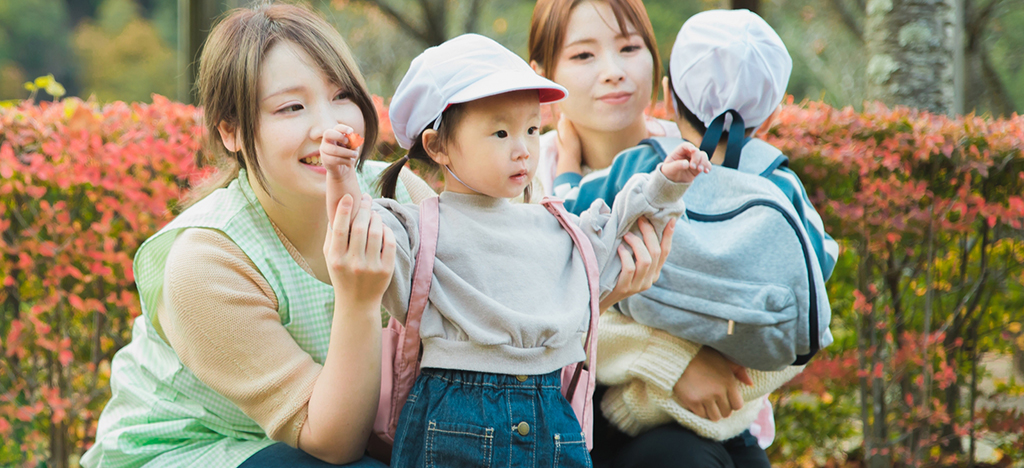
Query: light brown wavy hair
(228, 82)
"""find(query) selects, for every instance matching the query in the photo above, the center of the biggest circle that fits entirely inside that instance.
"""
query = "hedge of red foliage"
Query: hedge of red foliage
(84, 184)
(930, 211)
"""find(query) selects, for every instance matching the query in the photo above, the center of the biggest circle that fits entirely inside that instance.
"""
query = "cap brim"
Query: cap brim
(500, 83)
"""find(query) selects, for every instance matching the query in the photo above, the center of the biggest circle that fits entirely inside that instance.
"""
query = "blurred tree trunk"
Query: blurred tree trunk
(752, 5)
(984, 88)
(195, 19)
(430, 25)
(910, 45)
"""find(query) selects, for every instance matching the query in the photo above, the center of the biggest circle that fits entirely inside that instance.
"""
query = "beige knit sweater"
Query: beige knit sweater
(220, 316)
(643, 364)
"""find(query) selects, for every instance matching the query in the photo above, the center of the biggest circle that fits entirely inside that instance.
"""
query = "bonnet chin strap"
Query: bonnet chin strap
(450, 171)
(735, 143)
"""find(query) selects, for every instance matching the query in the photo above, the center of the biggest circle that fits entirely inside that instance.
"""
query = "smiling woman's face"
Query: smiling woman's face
(297, 103)
(608, 72)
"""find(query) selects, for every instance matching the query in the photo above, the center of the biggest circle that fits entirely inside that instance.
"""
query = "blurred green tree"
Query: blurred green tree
(33, 42)
(123, 56)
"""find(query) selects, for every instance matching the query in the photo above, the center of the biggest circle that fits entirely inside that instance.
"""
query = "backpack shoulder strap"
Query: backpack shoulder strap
(759, 157)
(663, 145)
(593, 278)
(422, 276)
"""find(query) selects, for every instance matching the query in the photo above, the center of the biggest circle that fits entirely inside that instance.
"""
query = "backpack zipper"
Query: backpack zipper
(814, 342)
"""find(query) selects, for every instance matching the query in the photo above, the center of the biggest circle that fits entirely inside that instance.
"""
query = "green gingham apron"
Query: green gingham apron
(159, 413)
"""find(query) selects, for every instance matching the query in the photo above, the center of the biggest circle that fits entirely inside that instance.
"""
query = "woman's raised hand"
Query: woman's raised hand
(685, 163)
(649, 254)
(360, 254)
(567, 142)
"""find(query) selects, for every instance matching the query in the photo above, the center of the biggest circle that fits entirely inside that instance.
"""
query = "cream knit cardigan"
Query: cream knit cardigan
(642, 364)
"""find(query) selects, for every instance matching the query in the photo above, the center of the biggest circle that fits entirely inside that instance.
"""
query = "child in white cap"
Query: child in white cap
(509, 302)
(728, 73)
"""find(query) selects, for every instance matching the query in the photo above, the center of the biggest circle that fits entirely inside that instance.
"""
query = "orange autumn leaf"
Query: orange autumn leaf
(354, 141)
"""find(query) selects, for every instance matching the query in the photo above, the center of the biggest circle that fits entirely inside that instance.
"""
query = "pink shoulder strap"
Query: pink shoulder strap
(586, 249)
(422, 275)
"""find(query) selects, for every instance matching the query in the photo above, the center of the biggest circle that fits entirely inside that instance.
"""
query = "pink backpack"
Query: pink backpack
(401, 345)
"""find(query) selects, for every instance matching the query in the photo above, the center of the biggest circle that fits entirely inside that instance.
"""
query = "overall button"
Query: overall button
(521, 378)
(523, 428)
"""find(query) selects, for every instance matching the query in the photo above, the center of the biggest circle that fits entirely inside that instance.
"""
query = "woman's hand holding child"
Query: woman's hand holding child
(650, 256)
(685, 163)
(360, 249)
(709, 387)
(360, 254)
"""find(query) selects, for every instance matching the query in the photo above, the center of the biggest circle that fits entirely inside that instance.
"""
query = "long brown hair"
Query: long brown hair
(228, 81)
(551, 19)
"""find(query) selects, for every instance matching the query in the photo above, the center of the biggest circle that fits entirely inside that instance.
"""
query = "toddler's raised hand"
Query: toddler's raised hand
(338, 147)
(685, 163)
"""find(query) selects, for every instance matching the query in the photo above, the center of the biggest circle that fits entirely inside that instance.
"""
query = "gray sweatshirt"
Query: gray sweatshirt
(510, 293)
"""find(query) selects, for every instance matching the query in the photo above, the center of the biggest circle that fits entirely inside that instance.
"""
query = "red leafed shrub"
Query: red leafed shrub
(81, 186)
(930, 213)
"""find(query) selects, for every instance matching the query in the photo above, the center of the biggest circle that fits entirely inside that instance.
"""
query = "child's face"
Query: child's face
(296, 104)
(608, 74)
(496, 145)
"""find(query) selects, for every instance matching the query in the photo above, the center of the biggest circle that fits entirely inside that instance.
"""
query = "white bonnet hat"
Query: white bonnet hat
(729, 60)
(462, 69)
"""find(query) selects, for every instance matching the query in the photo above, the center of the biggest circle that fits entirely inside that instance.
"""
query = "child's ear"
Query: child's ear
(537, 68)
(229, 135)
(432, 145)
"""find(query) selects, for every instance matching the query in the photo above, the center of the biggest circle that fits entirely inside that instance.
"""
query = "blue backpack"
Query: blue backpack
(742, 276)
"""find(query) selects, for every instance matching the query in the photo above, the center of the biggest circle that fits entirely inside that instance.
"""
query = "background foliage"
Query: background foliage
(927, 296)
(125, 49)
(81, 186)
(928, 209)
(930, 212)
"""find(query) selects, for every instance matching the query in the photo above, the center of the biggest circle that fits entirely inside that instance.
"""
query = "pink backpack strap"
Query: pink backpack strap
(593, 277)
(422, 276)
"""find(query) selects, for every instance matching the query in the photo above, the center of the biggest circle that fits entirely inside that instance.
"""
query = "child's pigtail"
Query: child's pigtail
(388, 180)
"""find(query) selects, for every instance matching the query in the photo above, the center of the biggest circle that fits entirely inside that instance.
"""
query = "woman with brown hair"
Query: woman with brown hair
(260, 339)
(604, 53)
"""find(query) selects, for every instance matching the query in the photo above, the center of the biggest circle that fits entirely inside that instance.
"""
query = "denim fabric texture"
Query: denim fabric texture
(281, 455)
(456, 418)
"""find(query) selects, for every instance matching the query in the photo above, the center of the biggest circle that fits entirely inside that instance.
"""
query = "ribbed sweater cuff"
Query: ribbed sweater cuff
(662, 192)
(663, 361)
(615, 409)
